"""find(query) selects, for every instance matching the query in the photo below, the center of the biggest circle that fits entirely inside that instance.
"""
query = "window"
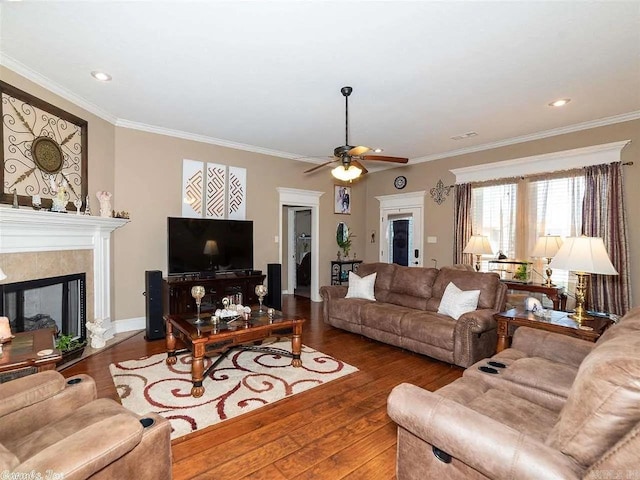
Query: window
(493, 213)
(514, 214)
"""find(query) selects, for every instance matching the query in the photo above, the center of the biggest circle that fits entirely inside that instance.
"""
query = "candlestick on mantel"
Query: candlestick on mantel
(5, 329)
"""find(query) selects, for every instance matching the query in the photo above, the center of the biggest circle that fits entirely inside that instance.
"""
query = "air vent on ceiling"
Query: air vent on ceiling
(462, 136)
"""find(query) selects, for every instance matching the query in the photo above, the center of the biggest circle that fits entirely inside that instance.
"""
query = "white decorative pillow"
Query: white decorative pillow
(455, 302)
(361, 287)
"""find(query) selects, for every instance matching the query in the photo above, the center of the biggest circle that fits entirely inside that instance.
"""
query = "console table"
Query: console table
(554, 293)
(340, 270)
(176, 291)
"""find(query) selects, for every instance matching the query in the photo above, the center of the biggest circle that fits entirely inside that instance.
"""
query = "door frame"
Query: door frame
(310, 199)
(291, 246)
(402, 203)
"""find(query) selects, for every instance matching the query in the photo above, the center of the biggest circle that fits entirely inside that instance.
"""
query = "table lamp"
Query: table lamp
(547, 247)
(5, 332)
(584, 256)
(211, 249)
(478, 245)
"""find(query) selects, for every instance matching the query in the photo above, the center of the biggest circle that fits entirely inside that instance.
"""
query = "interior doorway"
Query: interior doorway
(299, 265)
(293, 200)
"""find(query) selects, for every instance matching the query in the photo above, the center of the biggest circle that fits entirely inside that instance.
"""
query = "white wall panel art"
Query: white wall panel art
(213, 190)
(237, 193)
(216, 190)
(192, 188)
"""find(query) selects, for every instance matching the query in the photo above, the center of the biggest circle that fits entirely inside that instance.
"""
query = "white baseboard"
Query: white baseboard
(129, 324)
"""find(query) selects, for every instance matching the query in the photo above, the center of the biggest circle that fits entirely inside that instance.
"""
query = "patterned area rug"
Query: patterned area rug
(243, 382)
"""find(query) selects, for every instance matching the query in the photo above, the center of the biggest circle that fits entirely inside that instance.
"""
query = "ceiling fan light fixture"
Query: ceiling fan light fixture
(346, 174)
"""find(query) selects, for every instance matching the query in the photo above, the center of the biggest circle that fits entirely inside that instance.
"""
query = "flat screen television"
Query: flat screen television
(204, 246)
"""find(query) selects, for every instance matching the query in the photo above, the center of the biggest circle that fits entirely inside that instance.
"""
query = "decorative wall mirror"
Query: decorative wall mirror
(43, 147)
(342, 234)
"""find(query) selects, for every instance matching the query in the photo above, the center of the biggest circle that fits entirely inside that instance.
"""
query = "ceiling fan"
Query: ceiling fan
(350, 156)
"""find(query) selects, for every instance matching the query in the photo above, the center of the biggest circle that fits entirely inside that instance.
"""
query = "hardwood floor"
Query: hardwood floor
(336, 431)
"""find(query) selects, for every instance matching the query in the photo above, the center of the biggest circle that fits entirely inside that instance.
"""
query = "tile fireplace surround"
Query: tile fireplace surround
(38, 244)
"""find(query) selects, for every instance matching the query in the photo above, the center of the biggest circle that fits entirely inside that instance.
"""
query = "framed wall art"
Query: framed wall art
(44, 151)
(212, 190)
(342, 200)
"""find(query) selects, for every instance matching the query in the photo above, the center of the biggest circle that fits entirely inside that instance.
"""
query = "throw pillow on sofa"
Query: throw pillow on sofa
(456, 302)
(361, 287)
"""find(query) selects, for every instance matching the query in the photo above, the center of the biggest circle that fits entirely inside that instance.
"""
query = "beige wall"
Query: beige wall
(148, 185)
(438, 219)
(144, 172)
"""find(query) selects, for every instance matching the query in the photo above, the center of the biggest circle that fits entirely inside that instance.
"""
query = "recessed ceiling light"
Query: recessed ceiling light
(560, 103)
(103, 77)
(378, 150)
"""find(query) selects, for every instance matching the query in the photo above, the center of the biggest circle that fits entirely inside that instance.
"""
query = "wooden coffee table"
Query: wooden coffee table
(558, 323)
(20, 355)
(206, 339)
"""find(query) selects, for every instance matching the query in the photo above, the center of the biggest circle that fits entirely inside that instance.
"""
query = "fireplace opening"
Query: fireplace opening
(56, 302)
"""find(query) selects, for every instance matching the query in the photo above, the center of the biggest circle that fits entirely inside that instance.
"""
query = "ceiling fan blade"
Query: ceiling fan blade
(356, 163)
(384, 158)
(357, 151)
(321, 165)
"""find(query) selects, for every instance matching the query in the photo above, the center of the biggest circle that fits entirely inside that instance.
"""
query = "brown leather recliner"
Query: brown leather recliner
(521, 424)
(54, 427)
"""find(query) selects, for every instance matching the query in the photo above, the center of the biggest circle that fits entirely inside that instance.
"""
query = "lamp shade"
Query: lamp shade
(478, 245)
(547, 246)
(346, 174)
(211, 247)
(584, 255)
(2, 275)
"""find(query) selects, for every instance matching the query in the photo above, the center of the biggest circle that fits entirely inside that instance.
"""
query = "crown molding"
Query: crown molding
(545, 163)
(203, 139)
(601, 122)
(45, 82)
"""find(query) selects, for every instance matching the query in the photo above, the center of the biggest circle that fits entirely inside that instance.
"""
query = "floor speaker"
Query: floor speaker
(153, 305)
(274, 286)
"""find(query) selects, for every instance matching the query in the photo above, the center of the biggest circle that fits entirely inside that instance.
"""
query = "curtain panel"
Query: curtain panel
(604, 215)
(462, 231)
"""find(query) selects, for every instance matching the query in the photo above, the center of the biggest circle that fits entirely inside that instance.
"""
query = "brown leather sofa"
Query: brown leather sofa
(52, 427)
(560, 408)
(405, 311)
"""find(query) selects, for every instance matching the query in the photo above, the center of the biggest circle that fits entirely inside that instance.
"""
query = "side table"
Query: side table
(20, 355)
(340, 270)
(558, 323)
(554, 293)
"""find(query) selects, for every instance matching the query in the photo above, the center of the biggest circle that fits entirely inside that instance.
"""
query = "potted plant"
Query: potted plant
(71, 347)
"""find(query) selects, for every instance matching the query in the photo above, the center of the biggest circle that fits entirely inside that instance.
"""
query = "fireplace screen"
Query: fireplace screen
(57, 302)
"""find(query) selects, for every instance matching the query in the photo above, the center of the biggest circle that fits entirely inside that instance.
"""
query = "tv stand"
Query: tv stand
(176, 291)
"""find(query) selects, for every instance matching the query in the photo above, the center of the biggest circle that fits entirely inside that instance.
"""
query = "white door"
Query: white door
(401, 229)
(401, 241)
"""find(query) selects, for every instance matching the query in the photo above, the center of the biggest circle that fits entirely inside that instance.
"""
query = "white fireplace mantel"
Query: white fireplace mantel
(25, 230)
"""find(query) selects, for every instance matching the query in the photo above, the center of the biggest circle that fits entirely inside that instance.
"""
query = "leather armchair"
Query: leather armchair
(54, 427)
(519, 423)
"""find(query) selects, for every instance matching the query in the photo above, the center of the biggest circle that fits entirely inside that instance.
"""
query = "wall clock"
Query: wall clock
(400, 182)
(42, 147)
